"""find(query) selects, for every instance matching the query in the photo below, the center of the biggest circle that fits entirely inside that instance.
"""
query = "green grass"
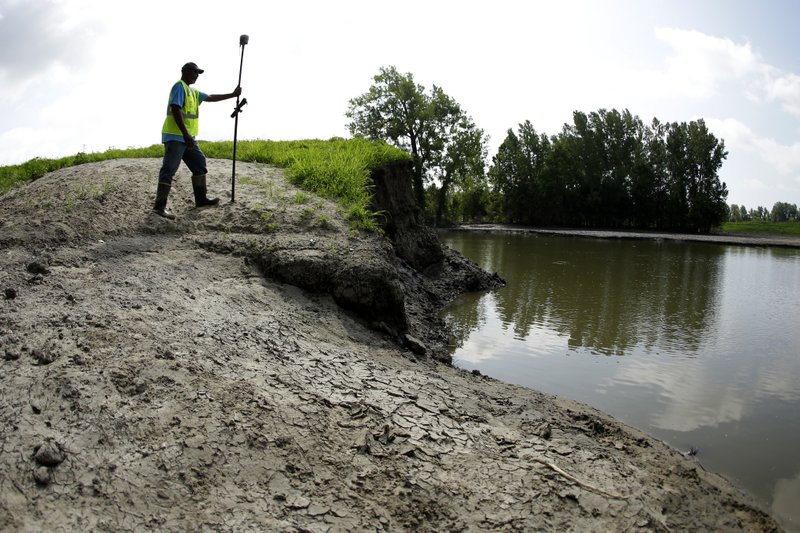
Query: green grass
(763, 227)
(337, 169)
(38, 167)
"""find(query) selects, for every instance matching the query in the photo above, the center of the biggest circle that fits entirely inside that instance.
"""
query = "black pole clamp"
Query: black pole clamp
(238, 108)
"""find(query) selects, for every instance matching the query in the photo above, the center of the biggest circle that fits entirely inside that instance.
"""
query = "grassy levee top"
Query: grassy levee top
(337, 169)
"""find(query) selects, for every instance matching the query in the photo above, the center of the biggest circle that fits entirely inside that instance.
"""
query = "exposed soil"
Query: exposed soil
(238, 369)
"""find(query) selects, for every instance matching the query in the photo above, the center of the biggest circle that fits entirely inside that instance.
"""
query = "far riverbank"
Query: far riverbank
(721, 238)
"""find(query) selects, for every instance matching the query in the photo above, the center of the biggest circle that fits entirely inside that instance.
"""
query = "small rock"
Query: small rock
(49, 453)
(317, 509)
(544, 430)
(42, 475)
(563, 449)
(37, 268)
(35, 280)
(363, 442)
(43, 357)
(296, 501)
(409, 450)
(568, 494)
(10, 293)
(11, 354)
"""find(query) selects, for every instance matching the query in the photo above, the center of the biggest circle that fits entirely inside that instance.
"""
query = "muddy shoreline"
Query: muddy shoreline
(160, 376)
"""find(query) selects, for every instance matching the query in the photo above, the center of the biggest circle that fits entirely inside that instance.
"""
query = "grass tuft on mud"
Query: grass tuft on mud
(337, 169)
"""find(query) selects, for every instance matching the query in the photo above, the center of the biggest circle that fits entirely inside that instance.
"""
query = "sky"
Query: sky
(88, 75)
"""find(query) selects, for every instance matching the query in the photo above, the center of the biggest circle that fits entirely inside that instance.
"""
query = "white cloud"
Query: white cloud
(732, 131)
(703, 67)
(34, 36)
(756, 185)
(784, 158)
(785, 88)
(700, 63)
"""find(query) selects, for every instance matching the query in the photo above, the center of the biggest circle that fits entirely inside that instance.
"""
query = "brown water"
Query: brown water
(697, 344)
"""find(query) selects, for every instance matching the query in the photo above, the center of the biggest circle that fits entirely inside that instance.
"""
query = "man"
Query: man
(178, 135)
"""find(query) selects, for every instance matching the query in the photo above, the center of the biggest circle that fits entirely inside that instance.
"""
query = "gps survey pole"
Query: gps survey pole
(243, 40)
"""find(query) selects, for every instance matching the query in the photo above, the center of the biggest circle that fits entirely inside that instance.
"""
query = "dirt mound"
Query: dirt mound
(217, 373)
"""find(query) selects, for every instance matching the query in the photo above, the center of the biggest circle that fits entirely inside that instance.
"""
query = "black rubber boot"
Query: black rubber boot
(200, 192)
(160, 207)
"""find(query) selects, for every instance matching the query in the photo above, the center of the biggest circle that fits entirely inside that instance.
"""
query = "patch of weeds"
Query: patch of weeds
(363, 219)
(301, 197)
(268, 224)
(324, 222)
(44, 201)
(306, 215)
(87, 192)
(265, 186)
(259, 248)
(332, 250)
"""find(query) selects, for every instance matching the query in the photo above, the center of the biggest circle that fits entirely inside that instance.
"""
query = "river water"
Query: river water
(696, 344)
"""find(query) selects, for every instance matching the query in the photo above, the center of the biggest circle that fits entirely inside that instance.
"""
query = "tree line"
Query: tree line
(781, 212)
(606, 169)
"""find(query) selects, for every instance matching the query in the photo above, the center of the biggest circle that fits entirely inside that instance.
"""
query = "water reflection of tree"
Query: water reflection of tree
(605, 295)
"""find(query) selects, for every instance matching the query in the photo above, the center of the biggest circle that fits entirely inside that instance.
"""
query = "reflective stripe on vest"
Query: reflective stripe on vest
(190, 113)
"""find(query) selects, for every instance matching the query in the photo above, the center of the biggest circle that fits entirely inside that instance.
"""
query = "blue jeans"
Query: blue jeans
(174, 153)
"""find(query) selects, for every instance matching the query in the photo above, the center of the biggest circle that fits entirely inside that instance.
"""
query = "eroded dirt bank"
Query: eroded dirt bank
(155, 379)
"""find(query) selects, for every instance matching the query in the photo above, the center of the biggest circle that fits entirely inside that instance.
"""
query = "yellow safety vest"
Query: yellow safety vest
(190, 112)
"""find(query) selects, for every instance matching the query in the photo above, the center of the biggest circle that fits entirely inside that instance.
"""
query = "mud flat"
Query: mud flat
(228, 372)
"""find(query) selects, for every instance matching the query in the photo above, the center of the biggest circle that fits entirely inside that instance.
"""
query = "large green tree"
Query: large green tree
(430, 125)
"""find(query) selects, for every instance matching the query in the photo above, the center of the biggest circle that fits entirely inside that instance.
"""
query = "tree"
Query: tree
(744, 213)
(783, 212)
(518, 174)
(463, 162)
(428, 125)
(759, 213)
